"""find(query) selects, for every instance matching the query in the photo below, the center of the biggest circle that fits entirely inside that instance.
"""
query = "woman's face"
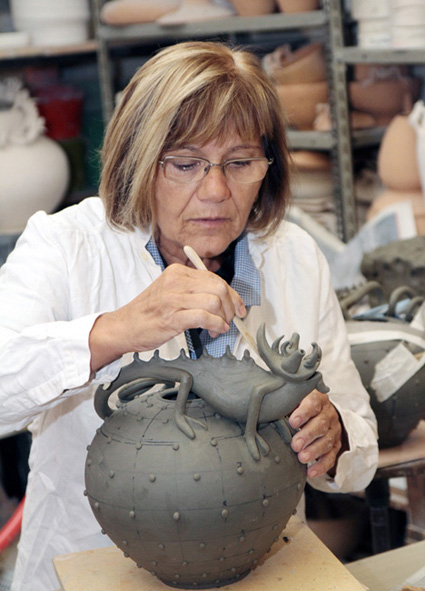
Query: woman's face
(207, 215)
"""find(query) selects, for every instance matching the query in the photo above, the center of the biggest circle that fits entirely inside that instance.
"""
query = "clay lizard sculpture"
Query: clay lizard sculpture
(238, 389)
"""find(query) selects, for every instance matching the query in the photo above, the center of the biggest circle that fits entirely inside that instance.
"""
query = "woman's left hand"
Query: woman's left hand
(320, 436)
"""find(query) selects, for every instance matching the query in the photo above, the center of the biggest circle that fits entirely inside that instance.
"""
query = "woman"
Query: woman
(194, 154)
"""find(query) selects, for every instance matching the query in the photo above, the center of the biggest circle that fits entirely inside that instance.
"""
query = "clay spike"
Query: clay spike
(183, 354)
(314, 358)
(275, 344)
(156, 354)
(228, 353)
(246, 355)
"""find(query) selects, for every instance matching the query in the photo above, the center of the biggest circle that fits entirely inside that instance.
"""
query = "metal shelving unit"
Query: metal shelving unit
(328, 21)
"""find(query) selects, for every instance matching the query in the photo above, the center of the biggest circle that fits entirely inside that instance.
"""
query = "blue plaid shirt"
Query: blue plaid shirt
(246, 281)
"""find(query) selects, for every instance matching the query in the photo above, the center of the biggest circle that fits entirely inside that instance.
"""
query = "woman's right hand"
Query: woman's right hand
(181, 298)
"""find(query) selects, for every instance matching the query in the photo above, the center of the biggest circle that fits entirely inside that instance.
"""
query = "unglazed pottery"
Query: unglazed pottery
(126, 12)
(195, 482)
(300, 101)
(34, 169)
(194, 10)
(297, 5)
(287, 66)
(397, 156)
(398, 407)
(417, 122)
(254, 7)
(383, 98)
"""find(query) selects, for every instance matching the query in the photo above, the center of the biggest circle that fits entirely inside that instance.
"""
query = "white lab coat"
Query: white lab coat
(70, 267)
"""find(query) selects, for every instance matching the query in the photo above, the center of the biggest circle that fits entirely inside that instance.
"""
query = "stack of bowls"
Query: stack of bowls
(408, 23)
(52, 22)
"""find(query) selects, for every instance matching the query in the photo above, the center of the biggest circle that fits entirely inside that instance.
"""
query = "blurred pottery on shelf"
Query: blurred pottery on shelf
(389, 197)
(299, 102)
(358, 119)
(297, 5)
(372, 72)
(126, 12)
(310, 160)
(305, 64)
(35, 169)
(194, 10)
(254, 7)
(397, 156)
(52, 22)
(383, 98)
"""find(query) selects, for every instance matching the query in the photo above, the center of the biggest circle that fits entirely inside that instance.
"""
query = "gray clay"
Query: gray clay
(398, 263)
(401, 412)
(191, 487)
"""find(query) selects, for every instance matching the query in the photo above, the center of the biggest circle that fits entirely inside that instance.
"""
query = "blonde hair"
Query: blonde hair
(191, 92)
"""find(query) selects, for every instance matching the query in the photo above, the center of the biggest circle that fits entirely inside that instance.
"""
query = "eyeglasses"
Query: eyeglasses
(185, 169)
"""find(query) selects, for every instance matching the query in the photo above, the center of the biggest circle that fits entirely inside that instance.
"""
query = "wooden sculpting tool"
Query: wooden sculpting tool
(198, 264)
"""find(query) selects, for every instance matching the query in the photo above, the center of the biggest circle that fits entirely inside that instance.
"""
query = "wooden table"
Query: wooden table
(408, 460)
(387, 571)
(300, 563)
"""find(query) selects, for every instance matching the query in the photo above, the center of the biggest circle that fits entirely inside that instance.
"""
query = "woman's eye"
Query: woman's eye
(239, 163)
(184, 165)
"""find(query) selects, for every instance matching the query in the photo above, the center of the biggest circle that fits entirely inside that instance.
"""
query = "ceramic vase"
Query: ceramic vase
(417, 121)
(397, 156)
(175, 476)
(52, 22)
(35, 170)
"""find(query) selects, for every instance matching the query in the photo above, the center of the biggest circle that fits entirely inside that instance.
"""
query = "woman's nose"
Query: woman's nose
(214, 186)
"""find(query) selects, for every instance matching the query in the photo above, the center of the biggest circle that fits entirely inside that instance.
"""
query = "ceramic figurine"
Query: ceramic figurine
(195, 482)
(388, 349)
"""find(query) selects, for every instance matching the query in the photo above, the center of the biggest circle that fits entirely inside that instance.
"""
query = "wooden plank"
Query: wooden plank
(299, 561)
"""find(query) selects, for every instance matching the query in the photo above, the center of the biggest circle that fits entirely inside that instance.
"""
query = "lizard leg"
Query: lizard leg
(251, 434)
(180, 416)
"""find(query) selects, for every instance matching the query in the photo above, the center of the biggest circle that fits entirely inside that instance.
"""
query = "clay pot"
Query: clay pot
(305, 64)
(372, 72)
(383, 98)
(290, 6)
(254, 7)
(126, 12)
(397, 157)
(196, 513)
(389, 197)
(300, 100)
(308, 160)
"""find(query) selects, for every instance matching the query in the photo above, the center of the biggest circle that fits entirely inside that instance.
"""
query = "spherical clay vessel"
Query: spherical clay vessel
(197, 512)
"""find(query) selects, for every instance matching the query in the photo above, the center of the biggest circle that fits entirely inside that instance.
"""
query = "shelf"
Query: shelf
(367, 137)
(37, 51)
(310, 140)
(214, 27)
(355, 55)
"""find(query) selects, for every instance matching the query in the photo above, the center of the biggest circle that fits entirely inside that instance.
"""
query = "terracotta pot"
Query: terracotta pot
(126, 12)
(305, 64)
(389, 197)
(383, 98)
(372, 72)
(300, 100)
(297, 5)
(397, 157)
(310, 160)
(254, 7)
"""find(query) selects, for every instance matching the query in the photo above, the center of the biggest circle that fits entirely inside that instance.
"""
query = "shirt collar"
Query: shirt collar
(246, 280)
